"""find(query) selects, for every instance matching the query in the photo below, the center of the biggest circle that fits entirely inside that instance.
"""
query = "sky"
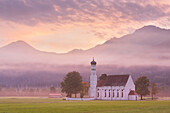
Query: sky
(63, 25)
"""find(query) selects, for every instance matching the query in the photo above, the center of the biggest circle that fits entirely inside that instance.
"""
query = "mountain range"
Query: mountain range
(146, 46)
(144, 52)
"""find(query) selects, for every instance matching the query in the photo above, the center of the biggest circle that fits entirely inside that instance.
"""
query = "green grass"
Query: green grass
(44, 105)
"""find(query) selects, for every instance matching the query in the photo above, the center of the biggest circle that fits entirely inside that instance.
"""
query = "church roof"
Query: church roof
(93, 62)
(132, 92)
(115, 80)
(100, 83)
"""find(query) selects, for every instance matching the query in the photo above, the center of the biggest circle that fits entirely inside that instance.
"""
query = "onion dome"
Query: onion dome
(93, 62)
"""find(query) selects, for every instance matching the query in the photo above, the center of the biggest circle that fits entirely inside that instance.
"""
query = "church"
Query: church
(114, 87)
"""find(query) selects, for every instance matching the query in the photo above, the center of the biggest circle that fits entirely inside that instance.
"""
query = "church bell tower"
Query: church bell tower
(93, 80)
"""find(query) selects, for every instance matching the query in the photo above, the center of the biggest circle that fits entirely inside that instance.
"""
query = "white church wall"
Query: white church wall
(111, 93)
(133, 97)
(120, 92)
(129, 86)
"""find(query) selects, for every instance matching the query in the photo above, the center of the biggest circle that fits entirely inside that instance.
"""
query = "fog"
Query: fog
(144, 52)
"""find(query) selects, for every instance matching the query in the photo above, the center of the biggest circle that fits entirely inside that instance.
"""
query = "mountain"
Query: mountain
(144, 52)
(19, 47)
(146, 46)
(20, 52)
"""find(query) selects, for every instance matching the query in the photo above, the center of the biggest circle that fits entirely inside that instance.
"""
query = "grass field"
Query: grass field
(45, 105)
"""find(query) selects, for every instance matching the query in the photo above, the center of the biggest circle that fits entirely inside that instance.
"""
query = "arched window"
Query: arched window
(97, 94)
(117, 93)
(109, 92)
(122, 93)
(105, 92)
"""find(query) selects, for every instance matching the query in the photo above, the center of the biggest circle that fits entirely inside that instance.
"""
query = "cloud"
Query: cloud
(100, 19)
(31, 12)
(138, 12)
(25, 12)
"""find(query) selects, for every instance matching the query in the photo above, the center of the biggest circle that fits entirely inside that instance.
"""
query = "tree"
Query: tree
(72, 83)
(154, 89)
(52, 89)
(103, 77)
(85, 88)
(31, 90)
(141, 86)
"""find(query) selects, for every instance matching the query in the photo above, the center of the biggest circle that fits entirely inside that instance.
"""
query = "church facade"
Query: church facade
(114, 87)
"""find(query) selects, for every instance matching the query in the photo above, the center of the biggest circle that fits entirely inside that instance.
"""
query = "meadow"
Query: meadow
(46, 105)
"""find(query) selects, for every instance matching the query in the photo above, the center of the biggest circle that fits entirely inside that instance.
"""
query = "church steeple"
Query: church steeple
(93, 80)
(93, 62)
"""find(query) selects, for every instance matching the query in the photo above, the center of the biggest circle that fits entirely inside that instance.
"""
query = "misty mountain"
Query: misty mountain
(18, 47)
(146, 46)
(144, 52)
(20, 52)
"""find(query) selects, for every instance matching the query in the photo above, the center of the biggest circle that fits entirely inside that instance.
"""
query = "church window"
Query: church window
(93, 69)
(105, 93)
(117, 93)
(98, 94)
(122, 92)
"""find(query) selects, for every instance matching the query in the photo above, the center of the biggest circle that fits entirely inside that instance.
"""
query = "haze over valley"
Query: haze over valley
(144, 52)
(146, 46)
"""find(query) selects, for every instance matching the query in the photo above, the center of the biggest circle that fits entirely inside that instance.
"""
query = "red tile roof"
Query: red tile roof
(114, 80)
(100, 83)
(132, 92)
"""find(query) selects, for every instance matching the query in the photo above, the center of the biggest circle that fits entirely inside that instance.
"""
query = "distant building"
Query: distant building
(115, 87)
(55, 95)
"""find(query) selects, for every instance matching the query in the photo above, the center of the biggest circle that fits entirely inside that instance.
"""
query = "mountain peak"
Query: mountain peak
(149, 28)
(76, 51)
(19, 46)
(20, 42)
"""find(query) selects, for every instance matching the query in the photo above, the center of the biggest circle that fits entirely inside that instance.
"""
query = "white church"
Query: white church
(115, 87)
